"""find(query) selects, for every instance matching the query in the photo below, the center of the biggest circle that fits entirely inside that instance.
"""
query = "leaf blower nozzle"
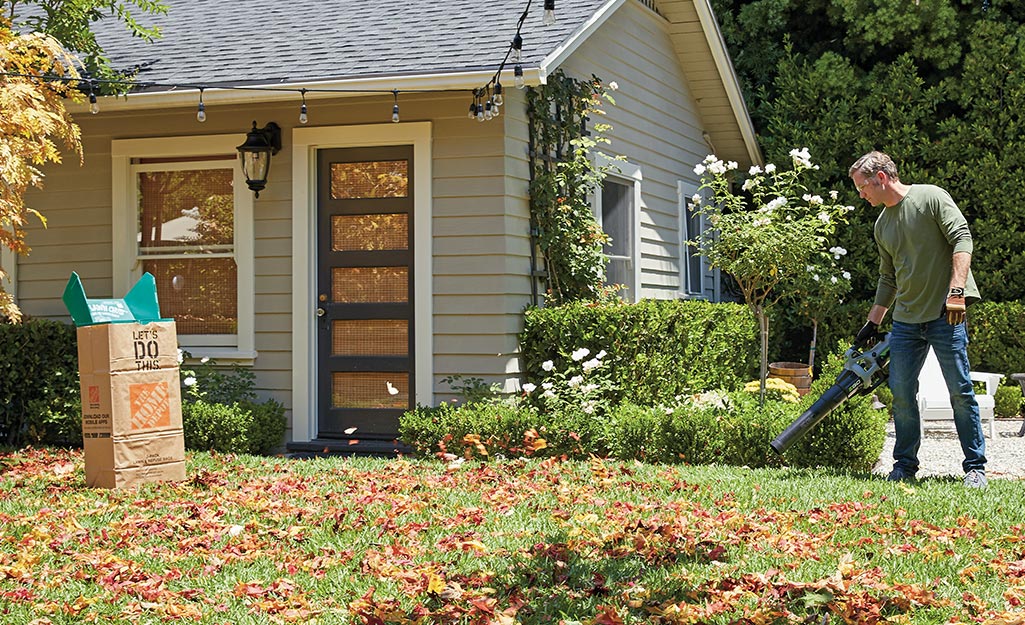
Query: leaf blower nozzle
(862, 372)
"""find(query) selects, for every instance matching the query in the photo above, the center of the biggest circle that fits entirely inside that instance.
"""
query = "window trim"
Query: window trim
(626, 173)
(684, 192)
(305, 143)
(127, 265)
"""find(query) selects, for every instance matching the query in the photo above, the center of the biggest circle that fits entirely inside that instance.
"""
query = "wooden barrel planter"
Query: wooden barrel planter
(796, 373)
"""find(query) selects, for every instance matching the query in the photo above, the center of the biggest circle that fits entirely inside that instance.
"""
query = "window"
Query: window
(692, 265)
(617, 213)
(183, 213)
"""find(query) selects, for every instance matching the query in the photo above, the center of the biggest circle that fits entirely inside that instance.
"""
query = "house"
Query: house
(381, 257)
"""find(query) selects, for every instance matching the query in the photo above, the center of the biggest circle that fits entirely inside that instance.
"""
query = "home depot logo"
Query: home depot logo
(94, 397)
(150, 405)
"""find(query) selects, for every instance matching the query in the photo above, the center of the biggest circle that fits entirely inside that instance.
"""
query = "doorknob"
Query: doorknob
(320, 312)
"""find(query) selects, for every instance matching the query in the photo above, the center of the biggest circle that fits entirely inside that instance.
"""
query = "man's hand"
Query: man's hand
(866, 333)
(955, 307)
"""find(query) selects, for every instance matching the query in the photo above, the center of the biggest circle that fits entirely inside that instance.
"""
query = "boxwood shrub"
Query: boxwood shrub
(508, 428)
(245, 427)
(39, 394)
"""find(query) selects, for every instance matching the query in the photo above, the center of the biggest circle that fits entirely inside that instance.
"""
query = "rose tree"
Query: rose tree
(767, 232)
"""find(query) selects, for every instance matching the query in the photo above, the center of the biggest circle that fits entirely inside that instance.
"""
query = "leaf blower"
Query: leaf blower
(862, 373)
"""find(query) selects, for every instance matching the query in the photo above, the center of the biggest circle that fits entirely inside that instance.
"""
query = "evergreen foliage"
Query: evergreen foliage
(935, 84)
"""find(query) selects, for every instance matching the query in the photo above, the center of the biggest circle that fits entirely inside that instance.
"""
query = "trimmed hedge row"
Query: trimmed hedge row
(716, 427)
(657, 349)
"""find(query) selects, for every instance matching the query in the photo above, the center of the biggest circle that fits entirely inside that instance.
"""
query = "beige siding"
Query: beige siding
(656, 125)
(481, 244)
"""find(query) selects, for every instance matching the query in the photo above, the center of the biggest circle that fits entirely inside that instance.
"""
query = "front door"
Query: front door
(365, 291)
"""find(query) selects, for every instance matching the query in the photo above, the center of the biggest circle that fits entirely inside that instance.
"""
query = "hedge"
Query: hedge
(657, 349)
(39, 394)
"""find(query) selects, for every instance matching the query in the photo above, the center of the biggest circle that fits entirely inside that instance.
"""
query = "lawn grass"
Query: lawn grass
(357, 540)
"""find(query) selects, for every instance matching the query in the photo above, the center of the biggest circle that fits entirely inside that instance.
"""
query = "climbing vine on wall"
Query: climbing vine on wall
(568, 168)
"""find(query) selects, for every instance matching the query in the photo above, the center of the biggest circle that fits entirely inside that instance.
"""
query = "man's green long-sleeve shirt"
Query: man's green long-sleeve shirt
(917, 239)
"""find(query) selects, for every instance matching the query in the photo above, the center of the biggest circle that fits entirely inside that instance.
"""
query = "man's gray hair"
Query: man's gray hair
(874, 162)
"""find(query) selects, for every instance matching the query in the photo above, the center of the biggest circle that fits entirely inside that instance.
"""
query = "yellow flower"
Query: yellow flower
(775, 388)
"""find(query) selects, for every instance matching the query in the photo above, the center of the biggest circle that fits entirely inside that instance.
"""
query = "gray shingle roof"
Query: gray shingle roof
(211, 42)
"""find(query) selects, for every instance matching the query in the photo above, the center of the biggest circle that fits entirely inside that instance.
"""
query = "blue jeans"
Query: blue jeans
(909, 346)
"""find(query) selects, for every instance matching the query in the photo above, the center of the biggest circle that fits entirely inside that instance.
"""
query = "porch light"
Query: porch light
(260, 144)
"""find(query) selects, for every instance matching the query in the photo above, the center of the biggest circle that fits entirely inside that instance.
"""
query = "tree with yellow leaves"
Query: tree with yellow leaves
(33, 121)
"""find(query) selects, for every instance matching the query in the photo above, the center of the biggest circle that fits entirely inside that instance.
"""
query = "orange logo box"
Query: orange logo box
(94, 396)
(150, 405)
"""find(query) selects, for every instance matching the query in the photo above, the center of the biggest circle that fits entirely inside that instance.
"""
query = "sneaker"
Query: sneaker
(975, 479)
(899, 475)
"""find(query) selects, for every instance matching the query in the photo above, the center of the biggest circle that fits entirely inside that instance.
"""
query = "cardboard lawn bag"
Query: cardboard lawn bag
(131, 394)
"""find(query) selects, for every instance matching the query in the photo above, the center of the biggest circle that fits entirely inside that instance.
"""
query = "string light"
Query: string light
(395, 107)
(201, 110)
(303, 118)
(484, 105)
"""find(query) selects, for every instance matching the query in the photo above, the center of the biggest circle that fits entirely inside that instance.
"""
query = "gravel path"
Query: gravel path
(941, 452)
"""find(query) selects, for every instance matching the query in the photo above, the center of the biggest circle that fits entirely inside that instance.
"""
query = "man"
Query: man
(925, 253)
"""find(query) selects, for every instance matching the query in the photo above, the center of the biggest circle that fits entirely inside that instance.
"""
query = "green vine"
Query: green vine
(567, 170)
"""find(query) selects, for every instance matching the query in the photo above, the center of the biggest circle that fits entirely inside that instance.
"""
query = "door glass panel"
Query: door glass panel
(370, 337)
(388, 231)
(369, 179)
(370, 390)
(369, 285)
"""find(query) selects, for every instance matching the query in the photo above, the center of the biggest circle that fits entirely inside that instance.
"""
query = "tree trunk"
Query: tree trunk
(814, 340)
(763, 331)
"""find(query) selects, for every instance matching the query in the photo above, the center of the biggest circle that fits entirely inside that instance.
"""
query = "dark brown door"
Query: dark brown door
(365, 291)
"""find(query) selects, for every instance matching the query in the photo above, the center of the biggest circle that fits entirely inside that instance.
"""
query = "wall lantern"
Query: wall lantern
(260, 144)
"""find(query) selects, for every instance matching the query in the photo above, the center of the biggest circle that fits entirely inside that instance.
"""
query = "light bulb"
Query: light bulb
(303, 118)
(549, 17)
(395, 113)
(499, 100)
(517, 49)
(518, 77)
(201, 113)
(480, 113)
(487, 110)
(94, 106)
(495, 112)
(473, 111)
